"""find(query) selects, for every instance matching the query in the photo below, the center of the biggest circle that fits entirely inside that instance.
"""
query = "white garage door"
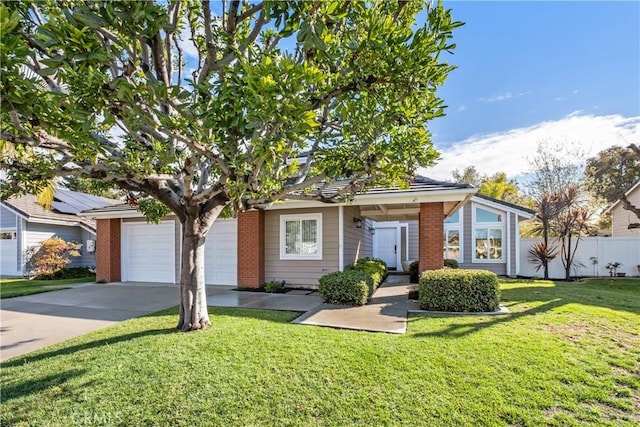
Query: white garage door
(148, 252)
(8, 254)
(221, 253)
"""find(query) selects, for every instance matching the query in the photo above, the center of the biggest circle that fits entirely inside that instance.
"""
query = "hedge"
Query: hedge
(459, 290)
(414, 269)
(352, 287)
(375, 268)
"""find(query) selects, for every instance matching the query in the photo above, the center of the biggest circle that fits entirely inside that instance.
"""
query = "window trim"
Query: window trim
(459, 226)
(13, 231)
(283, 238)
(499, 225)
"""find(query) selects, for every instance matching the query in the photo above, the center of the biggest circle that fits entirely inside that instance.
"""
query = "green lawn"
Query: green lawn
(568, 354)
(18, 287)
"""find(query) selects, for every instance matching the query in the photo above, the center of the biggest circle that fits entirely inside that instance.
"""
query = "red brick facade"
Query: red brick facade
(108, 250)
(431, 231)
(251, 255)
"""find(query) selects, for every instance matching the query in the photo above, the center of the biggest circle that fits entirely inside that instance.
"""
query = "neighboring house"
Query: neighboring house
(300, 241)
(24, 224)
(621, 218)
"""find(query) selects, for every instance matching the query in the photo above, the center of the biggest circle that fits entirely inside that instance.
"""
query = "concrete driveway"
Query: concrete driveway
(35, 321)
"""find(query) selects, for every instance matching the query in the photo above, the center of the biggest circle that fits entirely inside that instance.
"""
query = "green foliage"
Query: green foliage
(459, 290)
(274, 287)
(93, 186)
(497, 186)
(350, 287)
(152, 209)
(611, 172)
(51, 256)
(451, 263)
(66, 273)
(374, 268)
(414, 271)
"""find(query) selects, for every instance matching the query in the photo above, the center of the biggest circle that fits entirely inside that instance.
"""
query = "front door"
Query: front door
(386, 245)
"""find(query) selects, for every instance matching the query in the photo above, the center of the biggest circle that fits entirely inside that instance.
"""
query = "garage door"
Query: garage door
(148, 252)
(8, 254)
(221, 253)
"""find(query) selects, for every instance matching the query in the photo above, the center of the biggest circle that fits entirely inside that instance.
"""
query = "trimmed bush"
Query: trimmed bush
(451, 263)
(350, 287)
(274, 287)
(459, 290)
(375, 268)
(67, 273)
(414, 272)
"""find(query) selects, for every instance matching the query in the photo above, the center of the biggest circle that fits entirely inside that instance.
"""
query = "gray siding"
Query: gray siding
(413, 240)
(36, 233)
(358, 242)
(499, 268)
(87, 258)
(20, 226)
(513, 219)
(301, 272)
(7, 218)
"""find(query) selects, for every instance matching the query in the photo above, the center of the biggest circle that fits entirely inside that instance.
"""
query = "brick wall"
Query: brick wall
(108, 250)
(430, 240)
(251, 253)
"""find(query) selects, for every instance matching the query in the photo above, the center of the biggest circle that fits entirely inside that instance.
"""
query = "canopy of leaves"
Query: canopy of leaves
(612, 172)
(220, 103)
(497, 185)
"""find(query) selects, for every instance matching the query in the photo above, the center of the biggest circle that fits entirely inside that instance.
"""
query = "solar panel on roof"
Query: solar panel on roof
(64, 208)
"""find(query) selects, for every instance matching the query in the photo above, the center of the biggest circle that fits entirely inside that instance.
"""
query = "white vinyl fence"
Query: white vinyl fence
(625, 250)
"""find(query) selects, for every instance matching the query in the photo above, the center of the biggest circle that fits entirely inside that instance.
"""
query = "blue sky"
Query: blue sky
(551, 68)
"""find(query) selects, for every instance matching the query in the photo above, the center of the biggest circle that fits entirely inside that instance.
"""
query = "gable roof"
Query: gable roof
(627, 193)
(64, 208)
(526, 212)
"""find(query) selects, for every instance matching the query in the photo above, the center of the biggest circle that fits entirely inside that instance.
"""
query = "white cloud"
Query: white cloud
(184, 41)
(496, 98)
(508, 151)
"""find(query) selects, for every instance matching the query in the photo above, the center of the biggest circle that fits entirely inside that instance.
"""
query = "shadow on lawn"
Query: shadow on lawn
(561, 294)
(25, 388)
(34, 357)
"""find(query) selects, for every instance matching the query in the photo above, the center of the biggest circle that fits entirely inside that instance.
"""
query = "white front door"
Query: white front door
(386, 241)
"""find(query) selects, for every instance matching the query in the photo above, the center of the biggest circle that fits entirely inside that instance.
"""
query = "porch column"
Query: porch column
(251, 249)
(430, 236)
(107, 250)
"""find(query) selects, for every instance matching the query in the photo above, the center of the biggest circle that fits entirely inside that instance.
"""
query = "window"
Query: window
(452, 244)
(488, 231)
(7, 235)
(301, 236)
(453, 236)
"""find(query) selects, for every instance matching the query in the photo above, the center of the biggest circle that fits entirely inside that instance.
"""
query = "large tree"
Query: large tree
(498, 185)
(203, 105)
(612, 172)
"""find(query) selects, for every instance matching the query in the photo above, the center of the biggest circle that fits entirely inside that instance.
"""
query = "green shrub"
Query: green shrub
(274, 287)
(375, 268)
(451, 263)
(459, 290)
(351, 287)
(66, 273)
(414, 272)
(50, 256)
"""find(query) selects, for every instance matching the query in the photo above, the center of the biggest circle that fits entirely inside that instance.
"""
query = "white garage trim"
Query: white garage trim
(148, 252)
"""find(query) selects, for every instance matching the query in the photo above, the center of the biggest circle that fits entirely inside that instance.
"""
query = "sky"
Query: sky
(563, 72)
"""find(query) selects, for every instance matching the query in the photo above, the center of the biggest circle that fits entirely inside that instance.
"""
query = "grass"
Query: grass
(568, 354)
(10, 288)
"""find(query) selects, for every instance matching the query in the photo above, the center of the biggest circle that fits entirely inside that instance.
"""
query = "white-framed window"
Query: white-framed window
(301, 236)
(453, 236)
(8, 235)
(488, 235)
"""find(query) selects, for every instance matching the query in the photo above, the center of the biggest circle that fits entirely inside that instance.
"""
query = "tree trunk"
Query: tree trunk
(193, 295)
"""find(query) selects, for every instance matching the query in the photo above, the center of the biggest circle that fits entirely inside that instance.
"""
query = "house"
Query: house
(300, 241)
(625, 223)
(24, 224)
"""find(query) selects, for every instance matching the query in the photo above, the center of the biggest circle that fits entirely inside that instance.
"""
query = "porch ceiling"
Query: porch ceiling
(401, 211)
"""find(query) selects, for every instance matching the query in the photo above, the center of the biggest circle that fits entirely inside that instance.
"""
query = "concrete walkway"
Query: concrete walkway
(386, 312)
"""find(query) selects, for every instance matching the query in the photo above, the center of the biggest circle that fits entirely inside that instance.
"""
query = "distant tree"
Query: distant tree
(497, 185)
(612, 172)
(556, 165)
(468, 175)
(92, 186)
(542, 253)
